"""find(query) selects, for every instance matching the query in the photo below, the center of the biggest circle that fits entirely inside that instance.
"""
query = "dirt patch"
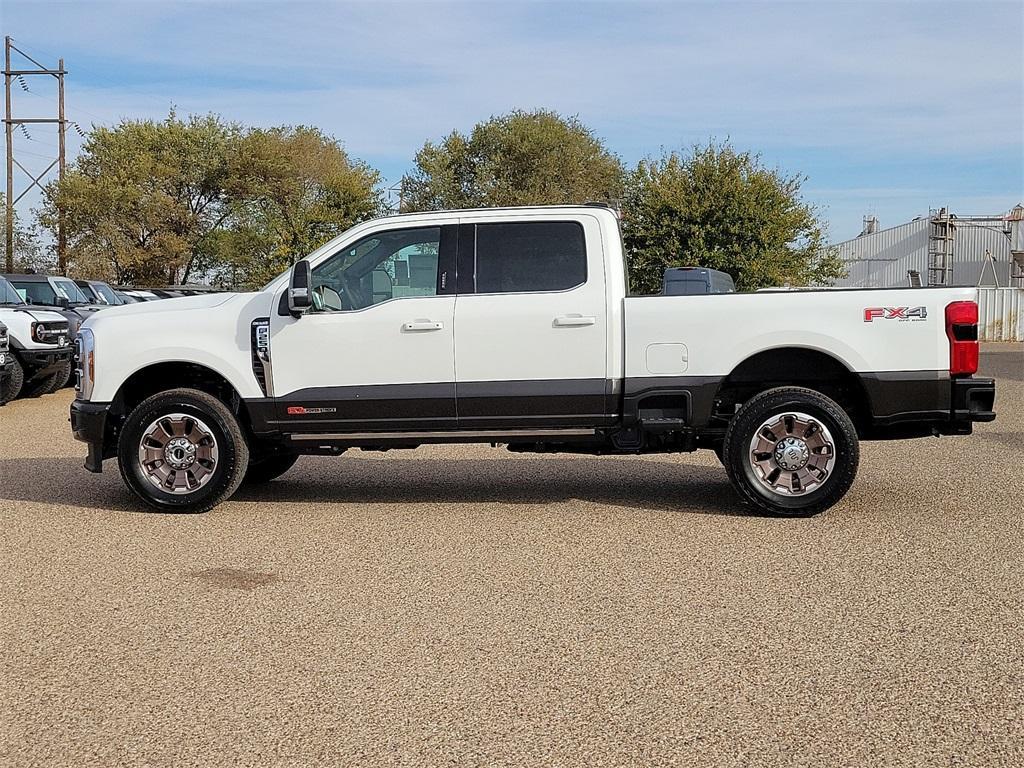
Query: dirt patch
(235, 578)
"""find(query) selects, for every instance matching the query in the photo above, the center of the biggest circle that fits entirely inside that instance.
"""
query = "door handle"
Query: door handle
(423, 325)
(568, 321)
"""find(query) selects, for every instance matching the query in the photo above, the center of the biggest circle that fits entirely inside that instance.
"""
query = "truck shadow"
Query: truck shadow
(642, 485)
(635, 484)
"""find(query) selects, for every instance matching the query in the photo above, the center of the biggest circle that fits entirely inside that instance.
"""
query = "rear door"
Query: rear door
(531, 329)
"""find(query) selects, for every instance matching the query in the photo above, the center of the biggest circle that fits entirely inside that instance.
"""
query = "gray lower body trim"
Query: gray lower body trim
(899, 396)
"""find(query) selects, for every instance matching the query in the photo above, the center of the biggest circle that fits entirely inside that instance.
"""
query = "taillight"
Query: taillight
(962, 330)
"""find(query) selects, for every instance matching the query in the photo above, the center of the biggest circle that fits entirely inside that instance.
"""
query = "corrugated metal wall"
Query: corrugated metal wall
(1001, 314)
(882, 259)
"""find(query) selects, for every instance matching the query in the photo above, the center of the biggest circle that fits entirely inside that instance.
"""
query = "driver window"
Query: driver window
(380, 267)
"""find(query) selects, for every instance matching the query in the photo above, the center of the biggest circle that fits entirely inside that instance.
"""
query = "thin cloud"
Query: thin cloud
(898, 89)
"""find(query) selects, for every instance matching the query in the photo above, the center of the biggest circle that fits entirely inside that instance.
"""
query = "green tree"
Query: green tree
(29, 252)
(158, 202)
(522, 158)
(719, 208)
(292, 190)
(143, 199)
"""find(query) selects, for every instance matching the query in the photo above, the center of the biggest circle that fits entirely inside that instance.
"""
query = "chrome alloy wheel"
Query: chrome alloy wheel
(178, 453)
(792, 454)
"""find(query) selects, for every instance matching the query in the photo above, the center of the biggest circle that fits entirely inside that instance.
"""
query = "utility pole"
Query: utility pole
(9, 122)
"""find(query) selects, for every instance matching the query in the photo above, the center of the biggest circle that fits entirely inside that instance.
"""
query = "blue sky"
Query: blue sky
(887, 107)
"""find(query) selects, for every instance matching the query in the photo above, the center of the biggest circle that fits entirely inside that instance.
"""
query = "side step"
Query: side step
(657, 426)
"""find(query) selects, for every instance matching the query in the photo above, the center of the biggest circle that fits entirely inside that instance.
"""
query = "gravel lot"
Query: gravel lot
(467, 606)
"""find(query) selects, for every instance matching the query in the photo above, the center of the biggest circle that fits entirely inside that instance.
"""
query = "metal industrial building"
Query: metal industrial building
(940, 249)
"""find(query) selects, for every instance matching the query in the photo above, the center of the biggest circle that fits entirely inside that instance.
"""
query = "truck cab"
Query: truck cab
(514, 327)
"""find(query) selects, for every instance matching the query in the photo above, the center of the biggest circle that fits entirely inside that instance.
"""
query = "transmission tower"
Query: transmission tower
(9, 122)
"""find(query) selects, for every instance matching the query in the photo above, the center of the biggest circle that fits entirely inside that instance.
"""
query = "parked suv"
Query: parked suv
(38, 360)
(99, 292)
(6, 363)
(60, 293)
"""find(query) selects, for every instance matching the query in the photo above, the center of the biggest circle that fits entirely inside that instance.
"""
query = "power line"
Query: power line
(35, 180)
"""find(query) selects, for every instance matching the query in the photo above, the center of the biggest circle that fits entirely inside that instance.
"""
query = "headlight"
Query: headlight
(86, 362)
(39, 333)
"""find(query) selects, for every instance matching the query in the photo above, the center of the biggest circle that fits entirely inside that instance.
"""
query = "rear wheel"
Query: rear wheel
(791, 451)
(11, 386)
(182, 451)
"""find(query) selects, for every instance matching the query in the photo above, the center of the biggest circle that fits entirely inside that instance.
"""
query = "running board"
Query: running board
(488, 434)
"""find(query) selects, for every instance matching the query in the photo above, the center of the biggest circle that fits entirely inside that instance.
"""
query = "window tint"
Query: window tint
(380, 267)
(542, 256)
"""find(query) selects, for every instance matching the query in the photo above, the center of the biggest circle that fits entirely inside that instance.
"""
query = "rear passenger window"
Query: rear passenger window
(542, 256)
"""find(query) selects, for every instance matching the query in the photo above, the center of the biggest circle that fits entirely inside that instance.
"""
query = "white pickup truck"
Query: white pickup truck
(514, 326)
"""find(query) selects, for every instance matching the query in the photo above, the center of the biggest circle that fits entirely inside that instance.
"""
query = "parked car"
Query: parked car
(125, 298)
(60, 294)
(6, 361)
(691, 281)
(513, 326)
(99, 292)
(141, 296)
(38, 358)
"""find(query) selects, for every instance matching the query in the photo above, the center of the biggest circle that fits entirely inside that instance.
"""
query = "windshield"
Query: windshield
(35, 292)
(70, 291)
(106, 293)
(7, 293)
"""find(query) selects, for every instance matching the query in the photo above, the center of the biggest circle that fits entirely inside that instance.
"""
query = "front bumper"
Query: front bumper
(38, 361)
(89, 424)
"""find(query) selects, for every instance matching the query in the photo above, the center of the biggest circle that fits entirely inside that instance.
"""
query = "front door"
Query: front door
(531, 335)
(377, 351)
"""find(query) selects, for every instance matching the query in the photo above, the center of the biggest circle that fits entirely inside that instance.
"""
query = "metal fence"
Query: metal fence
(1001, 314)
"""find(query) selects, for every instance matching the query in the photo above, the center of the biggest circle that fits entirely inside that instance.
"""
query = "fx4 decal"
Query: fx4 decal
(895, 313)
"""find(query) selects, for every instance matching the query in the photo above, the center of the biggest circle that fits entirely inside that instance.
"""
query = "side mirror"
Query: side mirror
(299, 297)
(62, 302)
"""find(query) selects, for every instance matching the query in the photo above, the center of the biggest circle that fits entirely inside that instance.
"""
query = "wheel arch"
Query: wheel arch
(174, 374)
(799, 366)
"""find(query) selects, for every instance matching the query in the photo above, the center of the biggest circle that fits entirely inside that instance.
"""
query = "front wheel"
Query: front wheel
(791, 451)
(182, 451)
(11, 385)
(50, 383)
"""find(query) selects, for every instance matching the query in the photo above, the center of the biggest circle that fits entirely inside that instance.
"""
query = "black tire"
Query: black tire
(266, 468)
(777, 402)
(230, 466)
(43, 385)
(11, 386)
(52, 382)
